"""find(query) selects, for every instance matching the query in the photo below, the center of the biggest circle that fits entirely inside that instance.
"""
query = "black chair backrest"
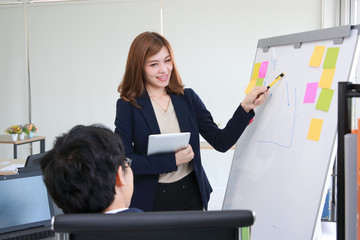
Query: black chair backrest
(209, 225)
(34, 160)
(32, 163)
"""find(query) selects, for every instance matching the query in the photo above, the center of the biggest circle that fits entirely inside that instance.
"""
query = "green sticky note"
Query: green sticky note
(331, 58)
(245, 233)
(324, 100)
(259, 82)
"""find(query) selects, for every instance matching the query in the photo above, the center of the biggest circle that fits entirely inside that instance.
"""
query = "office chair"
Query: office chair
(34, 160)
(209, 225)
(32, 163)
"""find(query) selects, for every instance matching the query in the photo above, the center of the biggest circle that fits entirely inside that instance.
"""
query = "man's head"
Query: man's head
(87, 172)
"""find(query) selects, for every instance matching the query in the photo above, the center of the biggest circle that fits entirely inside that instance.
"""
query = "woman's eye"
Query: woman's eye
(168, 60)
(153, 65)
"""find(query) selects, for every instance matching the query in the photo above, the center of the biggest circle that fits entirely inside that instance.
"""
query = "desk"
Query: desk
(7, 139)
(7, 162)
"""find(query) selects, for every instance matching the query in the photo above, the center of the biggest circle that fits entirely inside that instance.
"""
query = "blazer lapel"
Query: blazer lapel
(181, 110)
(148, 113)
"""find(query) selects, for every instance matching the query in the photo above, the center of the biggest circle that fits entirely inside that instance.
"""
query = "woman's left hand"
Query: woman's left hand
(255, 97)
(184, 155)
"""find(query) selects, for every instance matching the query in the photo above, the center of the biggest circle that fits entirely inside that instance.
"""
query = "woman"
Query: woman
(153, 101)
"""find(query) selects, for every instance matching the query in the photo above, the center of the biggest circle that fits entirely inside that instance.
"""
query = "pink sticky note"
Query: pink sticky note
(263, 69)
(310, 93)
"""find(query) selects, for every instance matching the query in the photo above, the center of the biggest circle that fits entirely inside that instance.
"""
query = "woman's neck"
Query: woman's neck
(156, 92)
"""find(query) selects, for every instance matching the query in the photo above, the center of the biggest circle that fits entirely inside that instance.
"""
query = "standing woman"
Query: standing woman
(153, 100)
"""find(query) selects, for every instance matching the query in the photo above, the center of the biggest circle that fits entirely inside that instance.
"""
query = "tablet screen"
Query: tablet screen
(166, 143)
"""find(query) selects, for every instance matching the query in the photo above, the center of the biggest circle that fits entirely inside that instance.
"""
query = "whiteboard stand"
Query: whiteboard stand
(347, 91)
(278, 171)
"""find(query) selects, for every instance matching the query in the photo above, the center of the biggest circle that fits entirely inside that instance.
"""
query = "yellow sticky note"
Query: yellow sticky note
(315, 129)
(326, 79)
(317, 56)
(250, 86)
(255, 73)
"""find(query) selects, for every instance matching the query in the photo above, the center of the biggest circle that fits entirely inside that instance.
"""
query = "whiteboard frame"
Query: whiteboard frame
(337, 34)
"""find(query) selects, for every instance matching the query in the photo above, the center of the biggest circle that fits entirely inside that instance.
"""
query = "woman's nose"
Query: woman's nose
(163, 68)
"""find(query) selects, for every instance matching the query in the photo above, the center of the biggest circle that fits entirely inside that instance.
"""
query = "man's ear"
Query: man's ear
(120, 180)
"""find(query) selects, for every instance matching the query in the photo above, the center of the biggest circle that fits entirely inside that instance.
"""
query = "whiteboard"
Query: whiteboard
(277, 171)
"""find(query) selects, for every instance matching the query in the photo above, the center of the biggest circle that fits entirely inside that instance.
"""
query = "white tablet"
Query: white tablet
(166, 143)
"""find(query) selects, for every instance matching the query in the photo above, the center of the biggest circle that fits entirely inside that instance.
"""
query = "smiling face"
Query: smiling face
(158, 70)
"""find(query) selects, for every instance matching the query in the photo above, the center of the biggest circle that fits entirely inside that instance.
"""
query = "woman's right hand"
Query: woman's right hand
(184, 155)
(255, 97)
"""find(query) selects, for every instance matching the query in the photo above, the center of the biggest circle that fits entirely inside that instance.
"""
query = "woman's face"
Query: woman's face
(158, 69)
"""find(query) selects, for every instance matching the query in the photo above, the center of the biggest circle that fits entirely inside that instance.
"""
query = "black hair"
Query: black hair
(80, 171)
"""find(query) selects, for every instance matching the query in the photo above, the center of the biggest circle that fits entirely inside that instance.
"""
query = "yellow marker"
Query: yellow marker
(276, 79)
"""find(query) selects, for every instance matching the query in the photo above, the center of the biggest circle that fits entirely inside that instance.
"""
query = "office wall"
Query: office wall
(77, 54)
(77, 62)
(13, 81)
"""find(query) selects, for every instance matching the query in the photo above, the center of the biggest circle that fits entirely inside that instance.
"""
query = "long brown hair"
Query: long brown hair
(144, 46)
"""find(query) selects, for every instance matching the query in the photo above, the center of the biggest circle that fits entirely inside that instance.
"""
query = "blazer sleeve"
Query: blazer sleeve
(220, 139)
(131, 127)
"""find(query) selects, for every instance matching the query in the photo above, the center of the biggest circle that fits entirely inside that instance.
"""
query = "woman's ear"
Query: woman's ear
(120, 179)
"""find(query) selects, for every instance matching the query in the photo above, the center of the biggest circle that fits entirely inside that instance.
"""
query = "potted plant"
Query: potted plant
(14, 131)
(22, 134)
(29, 129)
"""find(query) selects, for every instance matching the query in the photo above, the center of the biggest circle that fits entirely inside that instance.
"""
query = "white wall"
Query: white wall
(77, 62)
(78, 51)
(77, 55)
(13, 80)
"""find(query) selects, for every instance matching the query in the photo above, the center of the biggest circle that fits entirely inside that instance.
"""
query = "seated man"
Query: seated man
(87, 172)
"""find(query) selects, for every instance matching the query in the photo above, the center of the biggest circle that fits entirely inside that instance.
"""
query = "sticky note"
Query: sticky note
(317, 56)
(250, 86)
(259, 82)
(263, 69)
(327, 77)
(315, 129)
(310, 93)
(255, 73)
(324, 100)
(331, 58)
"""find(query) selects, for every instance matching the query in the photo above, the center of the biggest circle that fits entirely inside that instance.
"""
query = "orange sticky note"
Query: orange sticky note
(326, 79)
(315, 129)
(358, 160)
(255, 73)
(250, 86)
(358, 180)
(317, 56)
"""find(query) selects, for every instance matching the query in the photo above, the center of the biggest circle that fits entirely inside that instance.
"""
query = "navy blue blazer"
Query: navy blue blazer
(131, 210)
(134, 125)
